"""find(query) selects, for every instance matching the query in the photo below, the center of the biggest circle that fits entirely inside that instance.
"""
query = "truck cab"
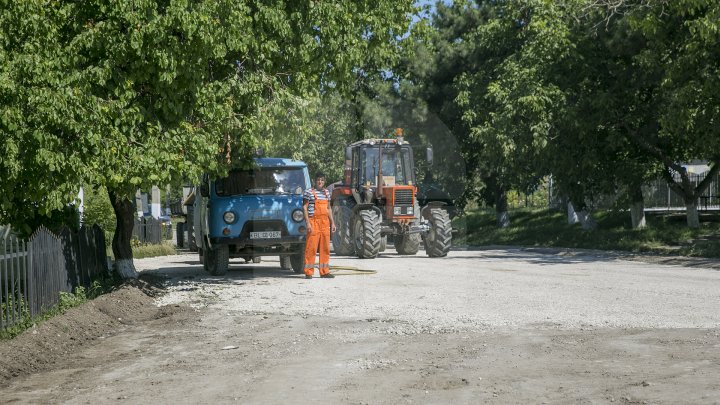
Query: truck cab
(253, 213)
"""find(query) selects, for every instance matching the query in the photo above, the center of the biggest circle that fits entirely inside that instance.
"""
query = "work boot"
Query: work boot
(329, 275)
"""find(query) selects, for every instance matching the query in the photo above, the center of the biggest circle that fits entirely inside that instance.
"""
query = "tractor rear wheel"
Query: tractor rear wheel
(366, 234)
(342, 239)
(439, 239)
(408, 244)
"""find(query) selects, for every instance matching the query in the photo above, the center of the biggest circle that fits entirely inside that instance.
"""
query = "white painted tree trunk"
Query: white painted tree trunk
(693, 219)
(572, 217)
(126, 269)
(586, 220)
(637, 214)
(503, 219)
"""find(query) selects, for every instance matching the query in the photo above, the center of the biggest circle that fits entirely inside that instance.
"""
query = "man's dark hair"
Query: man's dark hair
(320, 174)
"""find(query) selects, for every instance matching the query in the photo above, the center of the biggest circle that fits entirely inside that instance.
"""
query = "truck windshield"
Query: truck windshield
(262, 181)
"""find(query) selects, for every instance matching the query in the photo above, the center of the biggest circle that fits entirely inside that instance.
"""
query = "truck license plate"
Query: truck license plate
(265, 235)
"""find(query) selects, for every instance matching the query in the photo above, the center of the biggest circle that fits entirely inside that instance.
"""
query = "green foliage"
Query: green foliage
(125, 95)
(70, 300)
(98, 210)
(604, 97)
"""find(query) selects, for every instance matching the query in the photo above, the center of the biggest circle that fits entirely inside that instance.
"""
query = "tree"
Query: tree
(170, 89)
(499, 88)
(43, 157)
(683, 38)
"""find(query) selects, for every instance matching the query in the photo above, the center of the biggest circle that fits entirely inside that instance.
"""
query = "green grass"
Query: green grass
(665, 234)
(150, 250)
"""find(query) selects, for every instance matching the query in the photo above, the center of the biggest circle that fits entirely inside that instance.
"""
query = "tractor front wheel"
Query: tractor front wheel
(408, 244)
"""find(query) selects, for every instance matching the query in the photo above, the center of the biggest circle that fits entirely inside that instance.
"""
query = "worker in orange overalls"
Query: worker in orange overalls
(319, 220)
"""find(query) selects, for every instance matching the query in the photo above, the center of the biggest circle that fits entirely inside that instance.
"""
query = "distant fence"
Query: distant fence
(151, 230)
(33, 273)
(657, 196)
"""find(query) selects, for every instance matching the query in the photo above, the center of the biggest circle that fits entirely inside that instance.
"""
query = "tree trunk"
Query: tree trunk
(582, 214)
(689, 191)
(501, 208)
(637, 210)
(124, 220)
(572, 217)
(586, 220)
(693, 218)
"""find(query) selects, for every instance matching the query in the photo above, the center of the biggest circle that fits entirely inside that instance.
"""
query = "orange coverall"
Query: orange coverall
(320, 235)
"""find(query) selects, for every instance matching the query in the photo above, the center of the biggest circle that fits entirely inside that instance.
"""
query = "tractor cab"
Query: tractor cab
(381, 171)
(378, 199)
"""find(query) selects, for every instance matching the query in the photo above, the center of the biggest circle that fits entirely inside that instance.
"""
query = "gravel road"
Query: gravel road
(469, 290)
(480, 326)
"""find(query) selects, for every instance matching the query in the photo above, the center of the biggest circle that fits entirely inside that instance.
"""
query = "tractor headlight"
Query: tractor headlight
(298, 215)
(397, 210)
(229, 217)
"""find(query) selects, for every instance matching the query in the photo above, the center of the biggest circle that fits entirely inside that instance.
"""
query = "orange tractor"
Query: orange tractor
(378, 200)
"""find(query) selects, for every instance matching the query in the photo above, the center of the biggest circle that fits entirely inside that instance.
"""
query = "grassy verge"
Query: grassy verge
(666, 233)
(67, 301)
(150, 250)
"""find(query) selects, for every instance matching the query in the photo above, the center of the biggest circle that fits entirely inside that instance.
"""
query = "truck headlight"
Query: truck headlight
(229, 217)
(298, 215)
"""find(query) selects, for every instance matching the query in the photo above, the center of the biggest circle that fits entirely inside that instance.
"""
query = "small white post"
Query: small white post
(155, 206)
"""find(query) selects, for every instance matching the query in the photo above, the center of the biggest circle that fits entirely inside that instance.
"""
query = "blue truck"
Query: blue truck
(252, 213)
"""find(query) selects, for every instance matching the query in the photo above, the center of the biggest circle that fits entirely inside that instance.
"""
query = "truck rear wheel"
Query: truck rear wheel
(216, 260)
(342, 239)
(285, 263)
(407, 244)
(366, 234)
(439, 239)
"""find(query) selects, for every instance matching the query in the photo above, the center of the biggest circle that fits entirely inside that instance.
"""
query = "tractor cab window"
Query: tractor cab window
(369, 166)
(396, 166)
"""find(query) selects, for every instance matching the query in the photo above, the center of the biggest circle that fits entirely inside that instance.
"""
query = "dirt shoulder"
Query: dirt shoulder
(49, 344)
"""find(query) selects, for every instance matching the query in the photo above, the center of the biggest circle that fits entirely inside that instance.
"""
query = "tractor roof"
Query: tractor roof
(380, 141)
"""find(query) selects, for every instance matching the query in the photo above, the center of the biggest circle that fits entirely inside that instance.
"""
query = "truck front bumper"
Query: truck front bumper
(240, 247)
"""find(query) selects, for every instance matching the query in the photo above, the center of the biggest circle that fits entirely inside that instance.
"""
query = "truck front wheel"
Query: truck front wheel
(297, 261)
(285, 263)
(216, 260)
